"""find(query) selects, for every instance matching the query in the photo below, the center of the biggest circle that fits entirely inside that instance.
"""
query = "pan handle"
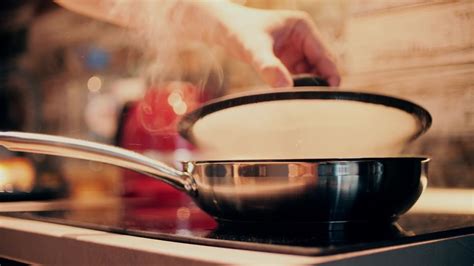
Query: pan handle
(81, 149)
(309, 81)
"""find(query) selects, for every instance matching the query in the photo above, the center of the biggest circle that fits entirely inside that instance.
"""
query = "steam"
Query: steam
(167, 53)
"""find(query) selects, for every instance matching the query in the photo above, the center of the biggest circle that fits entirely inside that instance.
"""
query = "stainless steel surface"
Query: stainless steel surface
(80, 149)
(310, 190)
(326, 190)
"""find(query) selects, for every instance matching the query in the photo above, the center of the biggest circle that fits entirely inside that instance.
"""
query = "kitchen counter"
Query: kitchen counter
(46, 243)
(50, 243)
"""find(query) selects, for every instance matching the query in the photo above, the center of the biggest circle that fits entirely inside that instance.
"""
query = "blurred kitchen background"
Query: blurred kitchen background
(65, 74)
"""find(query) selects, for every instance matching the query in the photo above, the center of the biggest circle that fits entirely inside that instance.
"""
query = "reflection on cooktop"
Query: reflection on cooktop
(191, 225)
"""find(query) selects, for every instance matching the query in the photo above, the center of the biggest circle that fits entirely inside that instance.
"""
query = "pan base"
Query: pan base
(307, 225)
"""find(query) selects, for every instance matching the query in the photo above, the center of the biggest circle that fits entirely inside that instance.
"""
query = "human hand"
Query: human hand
(278, 44)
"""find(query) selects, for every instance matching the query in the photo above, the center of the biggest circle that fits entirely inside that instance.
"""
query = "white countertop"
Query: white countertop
(48, 243)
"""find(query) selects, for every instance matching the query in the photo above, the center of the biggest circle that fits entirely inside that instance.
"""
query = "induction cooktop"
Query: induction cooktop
(187, 223)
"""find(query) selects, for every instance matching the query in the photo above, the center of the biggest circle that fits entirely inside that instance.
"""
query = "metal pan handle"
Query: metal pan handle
(81, 149)
(309, 81)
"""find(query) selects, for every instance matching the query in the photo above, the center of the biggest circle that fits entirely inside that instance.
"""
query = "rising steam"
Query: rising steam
(168, 53)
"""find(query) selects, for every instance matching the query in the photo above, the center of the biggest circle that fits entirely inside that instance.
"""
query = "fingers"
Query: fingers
(322, 60)
(303, 50)
(290, 42)
(301, 67)
(326, 68)
(270, 68)
(316, 52)
(273, 72)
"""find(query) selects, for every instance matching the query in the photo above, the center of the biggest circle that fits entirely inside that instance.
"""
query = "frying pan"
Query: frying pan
(265, 191)
(304, 122)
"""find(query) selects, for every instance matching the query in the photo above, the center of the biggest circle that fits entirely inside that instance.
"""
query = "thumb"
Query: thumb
(270, 68)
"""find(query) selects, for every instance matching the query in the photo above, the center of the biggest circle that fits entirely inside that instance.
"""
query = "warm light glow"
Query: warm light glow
(444, 200)
(94, 84)
(180, 108)
(3, 178)
(8, 188)
(183, 213)
(3, 175)
(267, 133)
(16, 173)
(174, 99)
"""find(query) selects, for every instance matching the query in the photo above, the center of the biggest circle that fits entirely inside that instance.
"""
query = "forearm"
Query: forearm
(276, 43)
(204, 19)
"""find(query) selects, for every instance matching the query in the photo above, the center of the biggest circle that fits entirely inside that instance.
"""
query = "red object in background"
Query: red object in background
(150, 125)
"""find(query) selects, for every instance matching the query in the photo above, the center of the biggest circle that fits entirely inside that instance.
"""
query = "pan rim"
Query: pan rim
(187, 122)
(422, 159)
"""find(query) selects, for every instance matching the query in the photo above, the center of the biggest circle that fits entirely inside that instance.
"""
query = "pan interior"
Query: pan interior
(305, 128)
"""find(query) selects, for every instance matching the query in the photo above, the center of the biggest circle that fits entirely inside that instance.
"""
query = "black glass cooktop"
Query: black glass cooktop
(145, 218)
